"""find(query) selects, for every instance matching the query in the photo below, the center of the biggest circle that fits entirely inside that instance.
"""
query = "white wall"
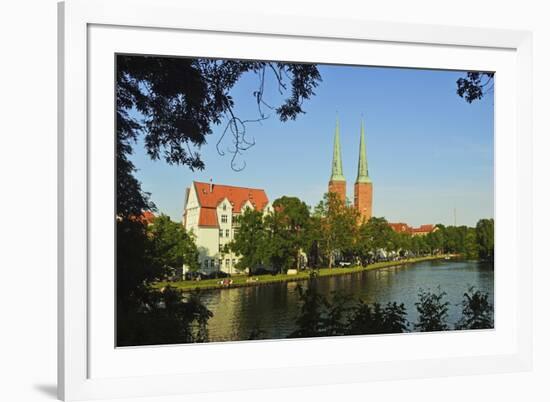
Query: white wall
(207, 243)
(28, 201)
(191, 208)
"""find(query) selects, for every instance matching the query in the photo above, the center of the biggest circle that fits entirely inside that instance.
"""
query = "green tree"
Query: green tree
(417, 245)
(278, 248)
(377, 319)
(475, 85)
(435, 240)
(336, 313)
(374, 235)
(485, 237)
(402, 242)
(164, 317)
(337, 226)
(314, 236)
(455, 239)
(249, 241)
(170, 246)
(471, 248)
(146, 315)
(292, 216)
(432, 311)
(477, 311)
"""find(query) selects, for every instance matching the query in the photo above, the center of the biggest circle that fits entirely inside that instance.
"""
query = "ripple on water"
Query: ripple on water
(273, 308)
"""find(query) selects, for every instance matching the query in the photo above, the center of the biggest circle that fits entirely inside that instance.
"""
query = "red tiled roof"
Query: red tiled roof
(404, 228)
(146, 217)
(237, 196)
(424, 229)
(400, 227)
(208, 217)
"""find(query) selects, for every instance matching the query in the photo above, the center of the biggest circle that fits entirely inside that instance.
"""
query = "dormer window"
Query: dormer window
(224, 207)
(224, 218)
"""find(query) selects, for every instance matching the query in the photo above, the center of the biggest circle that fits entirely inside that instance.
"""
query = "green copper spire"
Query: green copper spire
(363, 168)
(337, 171)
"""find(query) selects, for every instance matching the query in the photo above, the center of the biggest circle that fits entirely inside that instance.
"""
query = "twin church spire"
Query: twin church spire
(363, 183)
(337, 170)
(363, 166)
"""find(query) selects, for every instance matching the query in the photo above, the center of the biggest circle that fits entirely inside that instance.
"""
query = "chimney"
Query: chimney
(211, 185)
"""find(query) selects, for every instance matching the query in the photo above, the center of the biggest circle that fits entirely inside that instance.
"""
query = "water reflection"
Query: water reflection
(273, 308)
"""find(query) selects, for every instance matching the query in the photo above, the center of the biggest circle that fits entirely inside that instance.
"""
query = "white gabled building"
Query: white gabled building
(210, 211)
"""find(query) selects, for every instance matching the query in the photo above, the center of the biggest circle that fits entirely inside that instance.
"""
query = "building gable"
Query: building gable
(210, 196)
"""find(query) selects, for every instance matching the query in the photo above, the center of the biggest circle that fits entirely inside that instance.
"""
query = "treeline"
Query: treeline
(295, 236)
(343, 316)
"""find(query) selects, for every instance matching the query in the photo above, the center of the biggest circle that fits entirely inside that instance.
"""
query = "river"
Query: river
(273, 308)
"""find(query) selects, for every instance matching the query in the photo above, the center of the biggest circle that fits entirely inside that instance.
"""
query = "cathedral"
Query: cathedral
(362, 197)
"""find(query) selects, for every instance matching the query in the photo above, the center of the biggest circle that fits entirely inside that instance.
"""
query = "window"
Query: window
(221, 232)
(226, 232)
(220, 262)
(224, 218)
(227, 261)
(233, 262)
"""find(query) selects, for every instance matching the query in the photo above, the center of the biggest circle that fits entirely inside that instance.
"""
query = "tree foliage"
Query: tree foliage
(289, 225)
(249, 240)
(477, 311)
(163, 317)
(432, 311)
(146, 315)
(275, 239)
(485, 238)
(178, 100)
(310, 319)
(170, 246)
(341, 315)
(475, 85)
(374, 235)
(171, 105)
(377, 319)
(337, 227)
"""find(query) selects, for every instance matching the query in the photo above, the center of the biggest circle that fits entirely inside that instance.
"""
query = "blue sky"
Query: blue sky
(428, 150)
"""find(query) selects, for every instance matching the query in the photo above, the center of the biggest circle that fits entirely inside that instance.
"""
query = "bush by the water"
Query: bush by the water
(342, 316)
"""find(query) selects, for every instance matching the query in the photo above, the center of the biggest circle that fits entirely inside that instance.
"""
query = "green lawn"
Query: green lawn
(241, 280)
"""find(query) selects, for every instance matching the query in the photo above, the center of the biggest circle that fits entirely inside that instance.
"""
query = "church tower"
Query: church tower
(363, 185)
(337, 183)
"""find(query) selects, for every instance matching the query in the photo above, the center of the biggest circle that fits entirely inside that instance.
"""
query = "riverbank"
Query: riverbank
(258, 280)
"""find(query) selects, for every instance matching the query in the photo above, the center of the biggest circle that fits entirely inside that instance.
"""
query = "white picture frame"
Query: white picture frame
(90, 367)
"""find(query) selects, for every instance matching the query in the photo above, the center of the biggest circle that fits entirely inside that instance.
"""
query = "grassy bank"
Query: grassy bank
(244, 280)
